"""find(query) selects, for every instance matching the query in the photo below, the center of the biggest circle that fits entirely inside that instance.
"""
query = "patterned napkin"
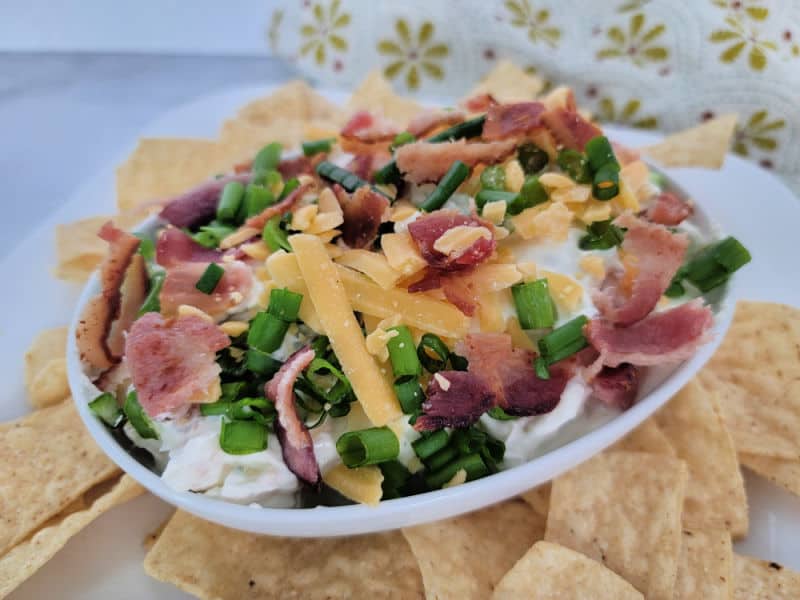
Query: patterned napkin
(652, 64)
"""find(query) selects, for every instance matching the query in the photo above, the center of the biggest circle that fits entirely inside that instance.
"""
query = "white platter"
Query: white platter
(106, 559)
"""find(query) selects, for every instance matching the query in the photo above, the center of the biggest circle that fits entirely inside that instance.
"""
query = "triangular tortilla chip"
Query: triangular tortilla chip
(755, 579)
(647, 437)
(702, 146)
(294, 101)
(705, 570)
(539, 498)
(506, 82)
(45, 368)
(375, 94)
(782, 472)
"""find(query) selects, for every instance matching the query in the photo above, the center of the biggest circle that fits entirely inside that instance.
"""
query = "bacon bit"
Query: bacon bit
(180, 288)
(172, 362)
(560, 97)
(199, 204)
(297, 446)
(459, 404)
(668, 209)
(425, 123)
(174, 247)
(363, 213)
(660, 338)
(132, 295)
(103, 309)
(300, 165)
(569, 127)
(624, 154)
(429, 228)
(258, 221)
(479, 103)
(364, 127)
(423, 161)
(657, 254)
(365, 165)
(512, 120)
(617, 387)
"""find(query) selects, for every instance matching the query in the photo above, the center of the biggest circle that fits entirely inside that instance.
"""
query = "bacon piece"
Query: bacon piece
(363, 213)
(454, 399)
(258, 221)
(668, 209)
(617, 386)
(569, 127)
(174, 247)
(103, 309)
(426, 122)
(172, 362)
(657, 254)
(459, 290)
(180, 288)
(429, 228)
(479, 103)
(297, 446)
(364, 127)
(504, 121)
(663, 337)
(300, 165)
(365, 165)
(199, 204)
(132, 295)
(423, 161)
(624, 154)
(509, 373)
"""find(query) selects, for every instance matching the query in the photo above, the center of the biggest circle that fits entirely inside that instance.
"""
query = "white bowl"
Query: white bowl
(571, 448)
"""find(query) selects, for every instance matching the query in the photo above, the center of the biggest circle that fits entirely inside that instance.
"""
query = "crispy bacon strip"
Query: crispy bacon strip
(367, 128)
(429, 228)
(180, 288)
(569, 127)
(365, 165)
(132, 295)
(663, 337)
(104, 308)
(479, 103)
(422, 161)
(199, 204)
(616, 386)
(668, 209)
(363, 213)
(172, 362)
(657, 255)
(454, 399)
(174, 247)
(504, 121)
(296, 443)
(425, 123)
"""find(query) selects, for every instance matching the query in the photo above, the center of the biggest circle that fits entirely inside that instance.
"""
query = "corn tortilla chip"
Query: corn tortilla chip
(29, 556)
(466, 557)
(293, 101)
(715, 495)
(647, 437)
(375, 94)
(243, 139)
(761, 407)
(45, 368)
(702, 146)
(78, 249)
(539, 499)
(506, 82)
(782, 472)
(755, 579)
(551, 572)
(705, 569)
(623, 509)
(47, 461)
(211, 561)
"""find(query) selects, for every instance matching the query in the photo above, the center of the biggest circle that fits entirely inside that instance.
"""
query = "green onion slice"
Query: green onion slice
(266, 332)
(485, 196)
(138, 418)
(261, 363)
(349, 181)
(428, 445)
(210, 278)
(599, 152)
(498, 413)
(473, 465)
(467, 129)
(535, 306)
(531, 194)
(605, 184)
(575, 164)
(284, 304)
(713, 265)
(151, 302)
(564, 341)
(212, 409)
(441, 458)
(432, 344)
(242, 437)
(367, 446)
(532, 159)
(274, 237)
(493, 178)
(256, 199)
(403, 354)
(401, 139)
(147, 247)
(106, 408)
(317, 146)
(395, 476)
(601, 235)
(340, 390)
(448, 184)
(268, 158)
(541, 368)
(409, 394)
(230, 201)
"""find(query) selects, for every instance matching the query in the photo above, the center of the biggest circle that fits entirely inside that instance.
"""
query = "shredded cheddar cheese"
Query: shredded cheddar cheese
(324, 222)
(515, 176)
(528, 270)
(362, 484)
(546, 221)
(576, 193)
(187, 310)
(457, 240)
(257, 250)
(555, 180)
(402, 254)
(595, 210)
(378, 339)
(303, 217)
(494, 212)
(594, 266)
(401, 211)
(519, 339)
(373, 264)
(567, 292)
(328, 203)
(234, 328)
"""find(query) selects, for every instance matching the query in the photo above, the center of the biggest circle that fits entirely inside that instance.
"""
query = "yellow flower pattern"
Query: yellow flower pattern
(273, 31)
(738, 37)
(638, 43)
(413, 53)
(323, 34)
(536, 22)
(758, 132)
(627, 113)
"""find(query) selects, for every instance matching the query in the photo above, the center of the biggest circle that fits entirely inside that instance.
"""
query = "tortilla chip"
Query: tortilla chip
(703, 146)
(25, 559)
(294, 101)
(508, 83)
(624, 509)
(785, 473)
(210, 561)
(706, 564)
(551, 572)
(757, 374)
(78, 249)
(466, 557)
(539, 498)
(715, 496)
(647, 437)
(375, 94)
(46, 368)
(243, 139)
(47, 461)
(755, 579)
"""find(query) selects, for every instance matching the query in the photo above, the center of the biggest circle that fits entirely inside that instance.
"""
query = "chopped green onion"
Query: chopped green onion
(541, 368)
(401, 139)
(564, 341)
(339, 410)
(289, 187)
(432, 344)
(427, 446)
(531, 194)
(274, 237)
(212, 409)
(367, 446)
(605, 184)
(253, 409)
(458, 362)
(256, 199)
(284, 304)
(493, 178)
(447, 185)
(473, 465)
(147, 247)
(532, 159)
(266, 332)
(713, 265)
(106, 408)
(468, 441)
(575, 164)
(317, 146)
(138, 418)
(210, 278)
(231, 391)
(388, 173)
(205, 239)
(341, 389)
(230, 201)
(261, 363)
(441, 458)
(349, 181)
(599, 152)
(601, 235)
(675, 289)
(402, 353)
(151, 302)
(498, 413)
(409, 394)
(268, 158)
(657, 179)
(535, 306)
(467, 129)
(212, 234)
(242, 437)
(270, 179)
(395, 476)
(485, 196)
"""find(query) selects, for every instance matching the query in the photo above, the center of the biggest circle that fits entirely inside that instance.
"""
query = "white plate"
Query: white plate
(106, 559)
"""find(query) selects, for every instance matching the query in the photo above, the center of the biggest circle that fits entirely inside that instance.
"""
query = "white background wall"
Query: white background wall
(223, 27)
